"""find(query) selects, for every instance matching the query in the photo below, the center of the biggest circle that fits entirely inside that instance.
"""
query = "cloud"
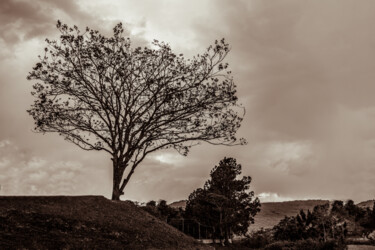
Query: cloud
(23, 174)
(304, 72)
(273, 197)
(169, 158)
(24, 20)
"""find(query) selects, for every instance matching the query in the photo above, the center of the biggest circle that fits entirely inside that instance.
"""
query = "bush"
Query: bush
(308, 244)
(280, 245)
(258, 239)
(335, 244)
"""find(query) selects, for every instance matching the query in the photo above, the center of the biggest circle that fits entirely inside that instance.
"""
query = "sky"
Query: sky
(304, 72)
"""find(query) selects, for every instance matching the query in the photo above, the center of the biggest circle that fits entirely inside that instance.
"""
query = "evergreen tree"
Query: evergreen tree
(225, 202)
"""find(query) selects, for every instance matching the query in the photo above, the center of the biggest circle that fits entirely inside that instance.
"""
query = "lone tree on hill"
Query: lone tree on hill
(101, 94)
(225, 202)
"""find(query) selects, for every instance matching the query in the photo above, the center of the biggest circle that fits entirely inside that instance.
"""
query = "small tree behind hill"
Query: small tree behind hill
(101, 94)
(225, 202)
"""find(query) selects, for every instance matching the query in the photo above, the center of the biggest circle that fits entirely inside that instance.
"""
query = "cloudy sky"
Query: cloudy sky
(304, 71)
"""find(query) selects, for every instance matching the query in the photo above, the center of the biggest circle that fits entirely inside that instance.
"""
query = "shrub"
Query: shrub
(308, 244)
(258, 239)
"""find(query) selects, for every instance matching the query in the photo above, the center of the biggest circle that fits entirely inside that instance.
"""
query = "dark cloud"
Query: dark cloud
(22, 20)
(19, 18)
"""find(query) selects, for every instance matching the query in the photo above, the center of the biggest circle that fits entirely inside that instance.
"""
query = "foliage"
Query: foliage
(225, 202)
(367, 220)
(258, 239)
(151, 208)
(162, 210)
(325, 223)
(151, 203)
(279, 245)
(100, 93)
(364, 217)
(319, 224)
(326, 227)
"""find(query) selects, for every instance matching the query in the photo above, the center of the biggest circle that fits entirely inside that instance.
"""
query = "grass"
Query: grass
(84, 222)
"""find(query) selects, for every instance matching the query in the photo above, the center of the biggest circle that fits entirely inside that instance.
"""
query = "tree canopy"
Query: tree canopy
(100, 93)
(225, 202)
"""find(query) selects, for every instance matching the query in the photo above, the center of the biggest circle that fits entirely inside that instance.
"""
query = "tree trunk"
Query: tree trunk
(227, 235)
(117, 176)
(199, 230)
(226, 241)
(116, 193)
(221, 229)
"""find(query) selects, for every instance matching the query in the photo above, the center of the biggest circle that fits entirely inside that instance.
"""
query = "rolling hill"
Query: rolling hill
(84, 222)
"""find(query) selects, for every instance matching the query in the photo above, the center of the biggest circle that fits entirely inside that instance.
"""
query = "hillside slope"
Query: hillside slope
(84, 222)
(366, 204)
(272, 212)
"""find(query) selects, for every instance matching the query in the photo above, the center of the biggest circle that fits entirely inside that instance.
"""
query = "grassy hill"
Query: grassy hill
(272, 212)
(84, 222)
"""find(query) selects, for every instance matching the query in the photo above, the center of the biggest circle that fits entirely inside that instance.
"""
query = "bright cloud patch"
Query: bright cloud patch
(272, 197)
(169, 158)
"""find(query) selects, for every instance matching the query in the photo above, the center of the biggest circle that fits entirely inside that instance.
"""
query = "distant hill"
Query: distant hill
(366, 204)
(84, 222)
(272, 212)
(178, 204)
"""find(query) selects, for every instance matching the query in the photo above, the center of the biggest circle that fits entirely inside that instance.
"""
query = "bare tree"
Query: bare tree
(101, 94)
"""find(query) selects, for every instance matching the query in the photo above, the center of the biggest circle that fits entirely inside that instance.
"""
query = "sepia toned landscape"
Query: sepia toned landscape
(187, 125)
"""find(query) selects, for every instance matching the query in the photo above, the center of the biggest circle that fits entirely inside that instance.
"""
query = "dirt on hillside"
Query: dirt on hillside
(84, 222)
